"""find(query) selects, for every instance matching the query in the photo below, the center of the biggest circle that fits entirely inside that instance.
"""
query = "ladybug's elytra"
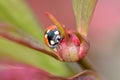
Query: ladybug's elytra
(52, 36)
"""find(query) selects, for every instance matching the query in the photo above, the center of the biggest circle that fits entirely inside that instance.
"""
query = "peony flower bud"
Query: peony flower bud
(74, 49)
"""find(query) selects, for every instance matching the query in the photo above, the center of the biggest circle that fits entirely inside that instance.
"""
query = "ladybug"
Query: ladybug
(52, 36)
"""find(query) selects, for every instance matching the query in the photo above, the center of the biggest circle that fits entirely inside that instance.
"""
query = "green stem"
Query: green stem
(85, 64)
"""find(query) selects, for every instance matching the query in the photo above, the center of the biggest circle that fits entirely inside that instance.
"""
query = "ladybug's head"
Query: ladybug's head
(52, 36)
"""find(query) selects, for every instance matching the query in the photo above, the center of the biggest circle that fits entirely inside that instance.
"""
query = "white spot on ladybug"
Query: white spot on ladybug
(46, 35)
(57, 39)
(52, 42)
(56, 32)
(48, 31)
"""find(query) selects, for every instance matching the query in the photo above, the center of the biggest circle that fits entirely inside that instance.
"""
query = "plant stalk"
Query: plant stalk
(85, 65)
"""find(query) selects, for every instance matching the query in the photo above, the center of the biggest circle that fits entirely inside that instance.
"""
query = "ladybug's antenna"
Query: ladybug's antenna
(59, 26)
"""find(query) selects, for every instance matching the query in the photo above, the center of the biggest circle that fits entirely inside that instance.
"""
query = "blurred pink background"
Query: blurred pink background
(104, 31)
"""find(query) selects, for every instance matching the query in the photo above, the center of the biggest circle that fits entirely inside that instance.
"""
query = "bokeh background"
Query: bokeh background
(104, 31)
(103, 35)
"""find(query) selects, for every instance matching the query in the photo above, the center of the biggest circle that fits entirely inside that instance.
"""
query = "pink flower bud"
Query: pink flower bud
(74, 49)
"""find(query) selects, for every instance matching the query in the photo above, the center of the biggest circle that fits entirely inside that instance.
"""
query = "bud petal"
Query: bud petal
(74, 49)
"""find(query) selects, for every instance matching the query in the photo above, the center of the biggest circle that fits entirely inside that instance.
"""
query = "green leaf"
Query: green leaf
(17, 35)
(32, 57)
(83, 10)
(17, 13)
